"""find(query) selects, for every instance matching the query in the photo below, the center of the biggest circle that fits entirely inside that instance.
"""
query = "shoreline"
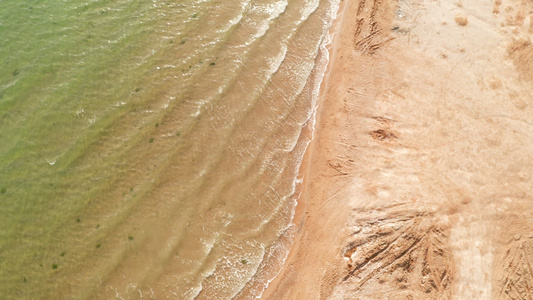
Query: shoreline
(300, 210)
(277, 288)
(417, 182)
(308, 131)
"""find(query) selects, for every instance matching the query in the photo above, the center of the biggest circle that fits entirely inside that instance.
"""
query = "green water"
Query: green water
(69, 71)
(152, 147)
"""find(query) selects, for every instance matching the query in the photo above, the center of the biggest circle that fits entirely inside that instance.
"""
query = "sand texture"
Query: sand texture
(418, 184)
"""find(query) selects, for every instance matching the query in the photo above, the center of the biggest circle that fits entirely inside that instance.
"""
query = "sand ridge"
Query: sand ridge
(418, 183)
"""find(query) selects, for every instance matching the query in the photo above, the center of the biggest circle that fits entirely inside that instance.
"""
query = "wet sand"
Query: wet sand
(418, 182)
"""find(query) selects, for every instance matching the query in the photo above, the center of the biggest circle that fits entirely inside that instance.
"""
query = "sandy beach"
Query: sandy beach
(418, 182)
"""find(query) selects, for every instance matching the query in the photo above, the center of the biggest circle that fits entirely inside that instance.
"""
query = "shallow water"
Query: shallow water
(150, 149)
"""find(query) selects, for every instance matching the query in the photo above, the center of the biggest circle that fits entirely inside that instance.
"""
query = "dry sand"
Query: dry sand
(418, 184)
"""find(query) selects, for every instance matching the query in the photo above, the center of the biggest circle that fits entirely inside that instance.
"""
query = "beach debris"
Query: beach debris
(461, 20)
(383, 135)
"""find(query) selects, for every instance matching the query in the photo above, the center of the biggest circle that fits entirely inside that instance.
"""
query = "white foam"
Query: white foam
(321, 69)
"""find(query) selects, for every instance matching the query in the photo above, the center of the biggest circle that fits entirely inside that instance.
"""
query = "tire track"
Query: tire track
(369, 34)
(405, 254)
(517, 281)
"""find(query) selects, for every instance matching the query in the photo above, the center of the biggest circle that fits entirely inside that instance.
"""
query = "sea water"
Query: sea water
(150, 149)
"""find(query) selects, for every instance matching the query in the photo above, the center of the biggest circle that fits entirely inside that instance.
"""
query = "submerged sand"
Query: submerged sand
(418, 183)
